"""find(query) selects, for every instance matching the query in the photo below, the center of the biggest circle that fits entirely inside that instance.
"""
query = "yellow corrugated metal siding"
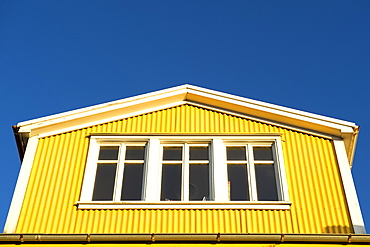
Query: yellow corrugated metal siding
(318, 203)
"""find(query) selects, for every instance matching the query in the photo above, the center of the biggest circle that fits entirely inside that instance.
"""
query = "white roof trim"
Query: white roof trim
(96, 109)
(182, 93)
(111, 111)
(272, 107)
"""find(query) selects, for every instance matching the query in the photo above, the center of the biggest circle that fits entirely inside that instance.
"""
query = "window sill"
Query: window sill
(284, 205)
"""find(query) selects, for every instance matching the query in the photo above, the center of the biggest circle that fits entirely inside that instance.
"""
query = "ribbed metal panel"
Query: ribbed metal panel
(318, 204)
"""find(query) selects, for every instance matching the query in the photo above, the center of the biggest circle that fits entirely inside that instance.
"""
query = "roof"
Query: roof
(253, 109)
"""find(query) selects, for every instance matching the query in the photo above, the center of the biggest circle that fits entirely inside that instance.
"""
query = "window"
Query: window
(185, 173)
(119, 173)
(251, 163)
(184, 170)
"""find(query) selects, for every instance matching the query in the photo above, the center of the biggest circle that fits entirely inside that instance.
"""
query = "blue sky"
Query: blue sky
(57, 56)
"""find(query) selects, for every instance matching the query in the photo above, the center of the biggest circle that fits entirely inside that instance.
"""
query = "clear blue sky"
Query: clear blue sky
(57, 56)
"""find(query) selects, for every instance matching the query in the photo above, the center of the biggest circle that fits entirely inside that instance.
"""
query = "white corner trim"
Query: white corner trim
(349, 188)
(21, 186)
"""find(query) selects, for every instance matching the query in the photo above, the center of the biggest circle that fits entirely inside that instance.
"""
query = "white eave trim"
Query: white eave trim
(272, 107)
(183, 93)
(96, 109)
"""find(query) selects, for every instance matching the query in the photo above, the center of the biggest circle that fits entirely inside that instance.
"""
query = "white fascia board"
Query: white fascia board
(27, 126)
(270, 107)
(185, 92)
(136, 113)
(343, 126)
(106, 120)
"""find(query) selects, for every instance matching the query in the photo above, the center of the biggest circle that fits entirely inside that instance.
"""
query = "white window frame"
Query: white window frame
(251, 163)
(185, 165)
(218, 179)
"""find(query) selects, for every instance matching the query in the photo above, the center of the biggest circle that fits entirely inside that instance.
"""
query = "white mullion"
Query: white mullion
(203, 162)
(280, 171)
(219, 166)
(134, 161)
(119, 173)
(153, 171)
(237, 162)
(251, 174)
(210, 175)
(185, 173)
(265, 162)
(90, 171)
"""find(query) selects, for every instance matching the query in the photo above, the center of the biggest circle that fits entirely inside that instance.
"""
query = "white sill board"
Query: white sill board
(184, 205)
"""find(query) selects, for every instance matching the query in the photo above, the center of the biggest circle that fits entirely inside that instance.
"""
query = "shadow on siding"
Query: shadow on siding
(338, 229)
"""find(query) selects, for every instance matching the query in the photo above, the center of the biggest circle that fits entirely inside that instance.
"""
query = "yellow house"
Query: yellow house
(185, 165)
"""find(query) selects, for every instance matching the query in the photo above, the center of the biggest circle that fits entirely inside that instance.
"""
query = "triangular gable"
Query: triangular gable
(185, 119)
(188, 94)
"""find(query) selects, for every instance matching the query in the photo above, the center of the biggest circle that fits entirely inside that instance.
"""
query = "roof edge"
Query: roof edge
(185, 89)
(102, 105)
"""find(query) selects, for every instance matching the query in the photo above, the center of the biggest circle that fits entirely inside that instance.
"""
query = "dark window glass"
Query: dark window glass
(104, 182)
(171, 182)
(236, 153)
(266, 183)
(198, 153)
(108, 153)
(172, 153)
(199, 182)
(132, 182)
(238, 182)
(262, 153)
(135, 153)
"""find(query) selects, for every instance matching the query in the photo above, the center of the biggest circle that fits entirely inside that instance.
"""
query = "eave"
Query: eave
(111, 111)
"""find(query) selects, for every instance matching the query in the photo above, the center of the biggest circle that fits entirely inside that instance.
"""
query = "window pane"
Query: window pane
(108, 153)
(104, 182)
(266, 183)
(135, 153)
(199, 182)
(132, 182)
(262, 153)
(171, 183)
(238, 182)
(198, 153)
(172, 153)
(236, 153)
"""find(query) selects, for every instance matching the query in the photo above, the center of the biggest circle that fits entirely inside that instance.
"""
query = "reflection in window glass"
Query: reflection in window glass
(236, 153)
(262, 153)
(104, 182)
(238, 182)
(266, 183)
(132, 182)
(171, 182)
(135, 153)
(108, 153)
(198, 153)
(199, 182)
(172, 153)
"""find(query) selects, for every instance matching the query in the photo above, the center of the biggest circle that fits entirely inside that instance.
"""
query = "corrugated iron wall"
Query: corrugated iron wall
(318, 203)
